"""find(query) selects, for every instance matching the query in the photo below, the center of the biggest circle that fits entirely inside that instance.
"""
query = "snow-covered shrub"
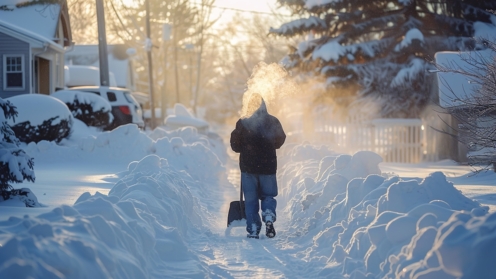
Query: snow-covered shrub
(90, 108)
(15, 165)
(40, 118)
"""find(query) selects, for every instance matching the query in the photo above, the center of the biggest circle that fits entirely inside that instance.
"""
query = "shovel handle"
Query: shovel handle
(241, 203)
(241, 191)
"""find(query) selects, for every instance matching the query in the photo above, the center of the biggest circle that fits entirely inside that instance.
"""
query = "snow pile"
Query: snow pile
(136, 231)
(182, 117)
(341, 217)
(125, 143)
(364, 224)
(139, 229)
(462, 247)
(128, 143)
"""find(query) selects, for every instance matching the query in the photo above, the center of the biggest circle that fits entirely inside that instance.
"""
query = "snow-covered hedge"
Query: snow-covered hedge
(40, 118)
(90, 108)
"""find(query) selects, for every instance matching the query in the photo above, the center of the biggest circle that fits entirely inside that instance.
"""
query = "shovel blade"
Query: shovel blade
(236, 216)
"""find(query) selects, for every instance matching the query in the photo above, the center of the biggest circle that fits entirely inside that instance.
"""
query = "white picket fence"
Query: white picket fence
(396, 140)
(399, 140)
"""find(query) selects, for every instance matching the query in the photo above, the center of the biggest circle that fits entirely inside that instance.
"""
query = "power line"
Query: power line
(239, 10)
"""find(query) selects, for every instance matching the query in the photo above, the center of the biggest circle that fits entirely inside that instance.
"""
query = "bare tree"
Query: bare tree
(203, 64)
(178, 68)
(236, 48)
(83, 21)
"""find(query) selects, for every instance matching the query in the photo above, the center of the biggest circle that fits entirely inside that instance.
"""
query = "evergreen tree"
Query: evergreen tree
(380, 50)
(15, 165)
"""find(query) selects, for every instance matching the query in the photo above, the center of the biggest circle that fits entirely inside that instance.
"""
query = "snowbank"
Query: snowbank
(346, 219)
(128, 143)
(138, 230)
(364, 224)
(181, 117)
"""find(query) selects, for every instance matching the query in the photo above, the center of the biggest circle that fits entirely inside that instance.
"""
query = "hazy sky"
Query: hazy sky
(252, 5)
(233, 7)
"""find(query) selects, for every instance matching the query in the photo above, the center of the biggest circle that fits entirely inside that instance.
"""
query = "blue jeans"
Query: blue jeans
(259, 187)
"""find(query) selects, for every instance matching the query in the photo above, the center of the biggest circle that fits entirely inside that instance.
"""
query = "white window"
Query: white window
(13, 72)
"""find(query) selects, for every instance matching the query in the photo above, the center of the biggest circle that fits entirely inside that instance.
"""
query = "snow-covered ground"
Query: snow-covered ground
(130, 204)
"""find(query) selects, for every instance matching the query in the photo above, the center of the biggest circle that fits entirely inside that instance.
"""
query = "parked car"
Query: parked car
(125, 107)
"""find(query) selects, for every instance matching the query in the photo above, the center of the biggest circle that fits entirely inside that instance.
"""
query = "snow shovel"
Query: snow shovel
(237, 216)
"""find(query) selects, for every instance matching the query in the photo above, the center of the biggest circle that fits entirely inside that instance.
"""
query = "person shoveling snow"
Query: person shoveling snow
(256, 137)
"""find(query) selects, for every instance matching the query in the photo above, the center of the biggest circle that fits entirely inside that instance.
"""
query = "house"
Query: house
(33, 39)
(458, 81)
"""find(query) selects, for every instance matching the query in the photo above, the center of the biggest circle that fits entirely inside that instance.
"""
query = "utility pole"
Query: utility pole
(176, 73)
(190, 50)
(166, 33)
(199, 59)
(102, 45)
(148, 47)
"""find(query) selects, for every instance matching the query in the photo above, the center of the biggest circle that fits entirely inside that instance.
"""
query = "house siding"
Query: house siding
(11, 45)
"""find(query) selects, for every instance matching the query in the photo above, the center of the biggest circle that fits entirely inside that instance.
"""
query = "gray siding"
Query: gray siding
(11, 45)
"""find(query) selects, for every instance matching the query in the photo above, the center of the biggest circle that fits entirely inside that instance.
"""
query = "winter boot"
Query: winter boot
(252, 236)
(270, 232)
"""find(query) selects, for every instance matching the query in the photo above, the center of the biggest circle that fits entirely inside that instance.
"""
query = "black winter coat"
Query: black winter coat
(256, 139)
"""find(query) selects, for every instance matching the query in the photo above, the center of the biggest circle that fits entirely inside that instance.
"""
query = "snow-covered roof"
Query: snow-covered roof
(38, 21)
(485, 30)
(87, 55)
(76, 75)
(455, 89)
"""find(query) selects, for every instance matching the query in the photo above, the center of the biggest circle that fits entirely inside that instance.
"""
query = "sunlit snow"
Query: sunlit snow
(134, 204)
